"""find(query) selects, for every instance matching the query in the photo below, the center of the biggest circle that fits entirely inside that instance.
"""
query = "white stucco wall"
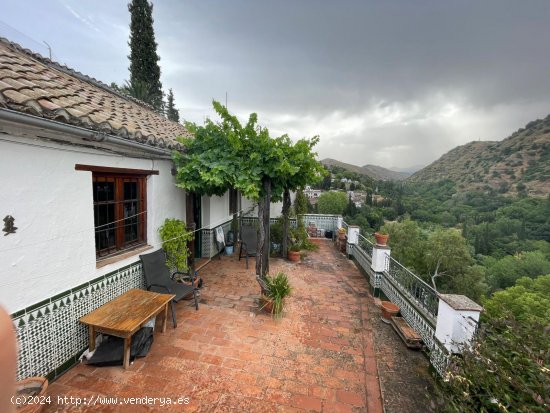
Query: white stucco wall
(54, 246)
(455, 328)
(214, 211)
(219, 210)
(275, 209)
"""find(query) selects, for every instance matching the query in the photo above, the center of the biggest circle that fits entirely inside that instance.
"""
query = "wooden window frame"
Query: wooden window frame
(118, 176)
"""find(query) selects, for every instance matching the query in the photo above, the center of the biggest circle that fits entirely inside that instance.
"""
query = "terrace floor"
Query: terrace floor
(230, 357)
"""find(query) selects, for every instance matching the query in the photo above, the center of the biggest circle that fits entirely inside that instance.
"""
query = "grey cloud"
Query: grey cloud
(398, 82)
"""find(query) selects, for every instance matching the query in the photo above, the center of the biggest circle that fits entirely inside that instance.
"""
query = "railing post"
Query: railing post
(457, 320)
(353, 239)
(380, 262)
(380, 258)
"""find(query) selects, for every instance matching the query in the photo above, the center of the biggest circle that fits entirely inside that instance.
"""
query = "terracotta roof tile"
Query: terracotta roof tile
(33, 84)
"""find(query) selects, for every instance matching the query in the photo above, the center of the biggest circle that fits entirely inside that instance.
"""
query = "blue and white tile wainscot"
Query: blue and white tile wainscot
(50, 337)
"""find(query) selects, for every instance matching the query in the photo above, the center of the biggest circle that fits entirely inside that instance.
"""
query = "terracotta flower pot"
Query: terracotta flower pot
(389, 310)
(342, 235)
(294, 256)
(381, 239)
(31, 388)
(266, 304)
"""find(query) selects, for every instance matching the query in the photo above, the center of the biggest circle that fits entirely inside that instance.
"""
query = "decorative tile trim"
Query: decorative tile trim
(326, 222)
(209, 246)
(49, 334)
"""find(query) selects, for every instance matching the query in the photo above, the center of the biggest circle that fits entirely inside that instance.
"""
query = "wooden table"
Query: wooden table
(125, 315)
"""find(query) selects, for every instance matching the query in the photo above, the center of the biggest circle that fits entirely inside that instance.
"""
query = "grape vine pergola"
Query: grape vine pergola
(227, 155)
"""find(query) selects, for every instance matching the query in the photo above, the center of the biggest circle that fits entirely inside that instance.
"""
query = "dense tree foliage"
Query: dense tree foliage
(332, 202)
(527, 301)
(502, 238)
(226, 155)
(144, 67)
(171, 112)
(503, 272)
(300, 203)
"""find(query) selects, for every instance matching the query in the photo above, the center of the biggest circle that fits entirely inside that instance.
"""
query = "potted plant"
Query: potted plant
(273, 296)
(294, 253)
(341, 233)
(381, 238)
(175, 237)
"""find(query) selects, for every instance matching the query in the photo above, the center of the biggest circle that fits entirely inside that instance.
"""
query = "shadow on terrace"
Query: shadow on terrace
(230, 357)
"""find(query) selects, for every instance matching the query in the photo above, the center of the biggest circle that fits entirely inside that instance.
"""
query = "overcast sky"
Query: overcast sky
(392, 83)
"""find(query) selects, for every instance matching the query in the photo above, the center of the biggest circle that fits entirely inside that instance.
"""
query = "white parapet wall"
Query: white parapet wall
(380, 258)
(457, 320)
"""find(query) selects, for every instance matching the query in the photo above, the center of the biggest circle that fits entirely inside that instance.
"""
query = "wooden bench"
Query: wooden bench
(125, 315)
(407, 334)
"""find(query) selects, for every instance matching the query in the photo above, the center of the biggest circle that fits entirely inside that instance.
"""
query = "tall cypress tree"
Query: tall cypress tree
(171, 112)
(144, 68)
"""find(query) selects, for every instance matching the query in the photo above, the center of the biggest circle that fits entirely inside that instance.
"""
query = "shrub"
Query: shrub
(506, 370)
(276, 232)
(278, 287)
(174, 237)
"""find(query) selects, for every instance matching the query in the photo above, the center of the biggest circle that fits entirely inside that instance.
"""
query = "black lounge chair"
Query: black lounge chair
(159, 280)
(249, 240)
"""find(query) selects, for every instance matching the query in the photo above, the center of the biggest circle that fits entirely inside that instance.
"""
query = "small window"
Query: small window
(119, 212)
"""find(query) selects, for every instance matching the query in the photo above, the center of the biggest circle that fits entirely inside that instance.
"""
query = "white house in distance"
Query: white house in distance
(87, 179)
(312, 193)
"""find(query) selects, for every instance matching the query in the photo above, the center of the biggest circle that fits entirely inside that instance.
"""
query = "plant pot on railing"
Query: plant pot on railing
(31, 389)
(381, 239)
(389, 310)
(342, 234)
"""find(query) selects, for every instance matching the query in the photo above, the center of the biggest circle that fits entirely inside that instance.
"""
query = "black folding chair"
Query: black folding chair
(249, 240)
(159, 279)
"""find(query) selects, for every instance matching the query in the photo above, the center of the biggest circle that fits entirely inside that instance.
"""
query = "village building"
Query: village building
(87, 180)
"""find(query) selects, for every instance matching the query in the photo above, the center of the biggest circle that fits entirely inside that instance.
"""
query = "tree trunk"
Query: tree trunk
(262, 251)
(286, 212)
(191, 226)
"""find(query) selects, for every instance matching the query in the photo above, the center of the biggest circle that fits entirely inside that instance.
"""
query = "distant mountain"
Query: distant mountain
(372, 171)
(408, 170)
(519, 163)
(386, 174)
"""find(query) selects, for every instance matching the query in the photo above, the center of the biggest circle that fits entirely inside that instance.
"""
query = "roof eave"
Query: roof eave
(10, 115)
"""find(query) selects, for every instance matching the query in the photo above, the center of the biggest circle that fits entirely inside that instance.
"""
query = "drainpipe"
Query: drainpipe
(86, 134)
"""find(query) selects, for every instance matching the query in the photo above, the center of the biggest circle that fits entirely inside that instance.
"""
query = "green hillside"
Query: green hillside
(517, 164)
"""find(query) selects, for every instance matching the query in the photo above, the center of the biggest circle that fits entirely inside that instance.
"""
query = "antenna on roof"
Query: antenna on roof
(49, 49)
